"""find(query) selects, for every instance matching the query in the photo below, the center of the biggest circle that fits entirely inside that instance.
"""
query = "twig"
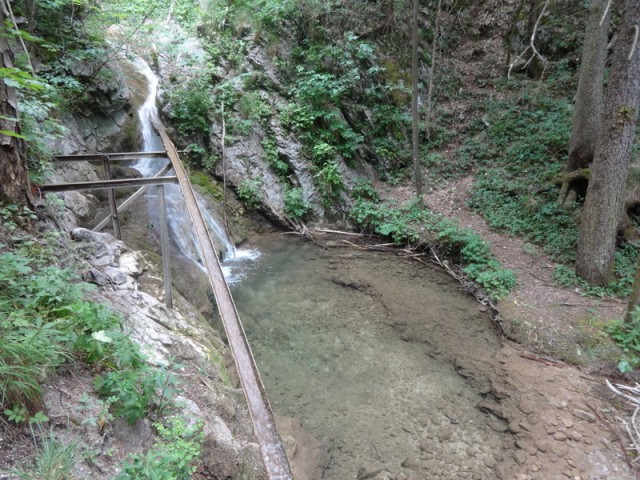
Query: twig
(534, 51)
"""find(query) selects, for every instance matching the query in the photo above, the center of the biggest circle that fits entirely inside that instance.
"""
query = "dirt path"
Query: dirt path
(565, 422)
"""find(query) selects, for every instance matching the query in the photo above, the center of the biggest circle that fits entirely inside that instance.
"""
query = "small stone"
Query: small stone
(497, 425)
(514, 427)
(411, 462)
(520, 456)
(526, 446)
(489, 462)
(500, 471)
(584, 415)
(526, 407)
(425, 445)
(535, 468)
(525, 426)
(573, 435)
(560, 436)
(542, 446)
(567, 423)
(571, 463)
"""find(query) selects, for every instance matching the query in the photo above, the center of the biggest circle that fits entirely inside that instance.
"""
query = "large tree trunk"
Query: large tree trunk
(589, 97)
(605, 196)
(14, 184)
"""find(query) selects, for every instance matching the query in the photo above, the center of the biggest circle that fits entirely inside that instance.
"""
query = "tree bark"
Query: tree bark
(14, 183)
(415, 118)
(605, 195)
(589, 96)
(634, 298)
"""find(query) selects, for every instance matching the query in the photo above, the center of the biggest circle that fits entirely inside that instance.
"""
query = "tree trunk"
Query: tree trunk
(605, 196)
(415, 118)
(14, 183)
(589, 96)
(634, 298)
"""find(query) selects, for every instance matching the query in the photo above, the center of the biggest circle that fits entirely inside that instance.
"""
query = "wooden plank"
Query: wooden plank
(274, 456)
(115, 157)
(102, 184)
(112, 199)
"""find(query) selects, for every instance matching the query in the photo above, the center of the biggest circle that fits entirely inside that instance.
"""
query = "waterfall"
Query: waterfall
(180, 227)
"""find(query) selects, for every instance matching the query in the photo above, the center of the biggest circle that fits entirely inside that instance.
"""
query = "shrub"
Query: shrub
(408, 223)
(173, 457)
(295, 206)
(249, 192)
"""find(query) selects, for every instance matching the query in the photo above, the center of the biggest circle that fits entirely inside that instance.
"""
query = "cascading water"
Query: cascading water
(180, 227)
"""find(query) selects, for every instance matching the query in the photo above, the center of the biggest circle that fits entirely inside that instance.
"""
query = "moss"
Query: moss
(206, 183)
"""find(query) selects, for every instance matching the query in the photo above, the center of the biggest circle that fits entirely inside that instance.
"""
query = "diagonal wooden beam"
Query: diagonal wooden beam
(274, 456)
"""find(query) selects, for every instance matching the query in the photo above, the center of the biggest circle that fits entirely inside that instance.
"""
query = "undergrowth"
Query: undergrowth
(517, 157)
(627, 337)
(410, 224)
(47, 323)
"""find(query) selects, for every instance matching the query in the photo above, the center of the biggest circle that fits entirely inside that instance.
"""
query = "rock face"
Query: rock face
(107, 123)
(246, 156)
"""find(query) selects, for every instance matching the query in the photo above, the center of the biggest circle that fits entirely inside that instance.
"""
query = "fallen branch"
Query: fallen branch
(631, 394)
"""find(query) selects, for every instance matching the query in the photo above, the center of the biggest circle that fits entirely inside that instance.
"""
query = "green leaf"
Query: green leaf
(101, 336)
(9, 133)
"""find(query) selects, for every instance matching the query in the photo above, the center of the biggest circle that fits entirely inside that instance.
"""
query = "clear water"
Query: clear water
(364, 350)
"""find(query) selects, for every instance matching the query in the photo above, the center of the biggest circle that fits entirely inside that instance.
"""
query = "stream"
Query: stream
(382, 359)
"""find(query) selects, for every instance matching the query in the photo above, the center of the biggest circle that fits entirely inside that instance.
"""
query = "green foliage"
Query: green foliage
(329, 182)
(518, 156)
(133, 391)
(249, 192)
(174, 457)
(274, 159)
(624, 272)
(408, 223)
(191, 106)
(295, 206)
(204, 180)
(364, 190)
(627, 337)
(45, 322)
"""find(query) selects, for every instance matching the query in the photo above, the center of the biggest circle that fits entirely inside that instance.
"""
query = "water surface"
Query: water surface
(381, 358)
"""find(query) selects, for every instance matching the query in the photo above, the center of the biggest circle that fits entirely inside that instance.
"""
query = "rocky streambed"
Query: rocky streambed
(401, 376)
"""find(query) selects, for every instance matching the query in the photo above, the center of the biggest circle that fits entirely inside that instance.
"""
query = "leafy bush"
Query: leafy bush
(249, 192)
(518, 156)
(627, 336)
(408, 223)
(191, 106)
(45, 322)
(295, 206)
(174, 457)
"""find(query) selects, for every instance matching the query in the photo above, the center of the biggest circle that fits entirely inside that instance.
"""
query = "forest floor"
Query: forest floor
(566, 422)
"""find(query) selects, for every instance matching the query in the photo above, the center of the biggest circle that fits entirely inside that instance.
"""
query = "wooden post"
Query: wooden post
(112, 199)
(164, 247)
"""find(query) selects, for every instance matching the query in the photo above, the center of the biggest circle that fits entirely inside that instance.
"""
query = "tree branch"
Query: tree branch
(534, 51)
